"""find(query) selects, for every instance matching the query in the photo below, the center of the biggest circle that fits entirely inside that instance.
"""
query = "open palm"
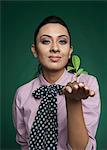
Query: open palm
(77, 91)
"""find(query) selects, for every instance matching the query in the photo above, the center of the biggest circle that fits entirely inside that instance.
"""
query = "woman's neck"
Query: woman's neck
(52, 76)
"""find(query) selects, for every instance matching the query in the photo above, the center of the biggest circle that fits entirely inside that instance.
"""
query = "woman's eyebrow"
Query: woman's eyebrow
(51, 36)
(63, 35)
(45, 35)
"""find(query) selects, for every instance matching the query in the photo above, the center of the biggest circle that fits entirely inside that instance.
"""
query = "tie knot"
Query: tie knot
(48, 90)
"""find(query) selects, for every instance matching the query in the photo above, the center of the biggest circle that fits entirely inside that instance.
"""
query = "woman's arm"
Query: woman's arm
(83, 117)
(19, 122)
(77, 132)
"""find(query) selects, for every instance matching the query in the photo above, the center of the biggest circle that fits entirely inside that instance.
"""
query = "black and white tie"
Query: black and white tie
(44, 131)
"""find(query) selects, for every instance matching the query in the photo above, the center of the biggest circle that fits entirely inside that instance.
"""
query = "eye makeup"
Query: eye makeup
(63, 41)
(47, 39)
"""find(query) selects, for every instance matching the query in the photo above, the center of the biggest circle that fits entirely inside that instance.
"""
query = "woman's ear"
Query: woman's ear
(33, 49)
(70, 52)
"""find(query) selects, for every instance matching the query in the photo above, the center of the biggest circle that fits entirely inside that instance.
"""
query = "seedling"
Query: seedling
(75, 68)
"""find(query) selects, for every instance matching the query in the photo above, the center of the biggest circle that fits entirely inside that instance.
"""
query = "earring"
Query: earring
(35, 55)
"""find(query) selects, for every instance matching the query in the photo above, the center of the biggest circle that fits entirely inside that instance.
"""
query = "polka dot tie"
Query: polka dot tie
(44, 131)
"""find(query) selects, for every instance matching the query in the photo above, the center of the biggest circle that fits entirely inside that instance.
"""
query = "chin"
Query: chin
(55, 68)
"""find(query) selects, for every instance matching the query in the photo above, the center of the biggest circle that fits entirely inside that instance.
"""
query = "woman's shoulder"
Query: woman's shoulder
(27, 87)
(24, 91)
(89, 79)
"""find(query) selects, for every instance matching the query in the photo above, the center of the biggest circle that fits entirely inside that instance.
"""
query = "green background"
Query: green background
(88, 25)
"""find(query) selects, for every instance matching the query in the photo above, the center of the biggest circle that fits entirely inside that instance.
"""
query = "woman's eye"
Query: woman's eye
(45, 42)
(62, 42)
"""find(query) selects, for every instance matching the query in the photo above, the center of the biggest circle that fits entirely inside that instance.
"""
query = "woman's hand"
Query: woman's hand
(77, 91)
(74, 92)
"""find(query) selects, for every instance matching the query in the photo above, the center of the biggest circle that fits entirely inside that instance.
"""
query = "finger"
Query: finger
(81, 85)
(71, 84)
(84, 92)
(72, 87)
(68, 89)
(86, 88)
(64, 90)
(91, 93)
(75, 87)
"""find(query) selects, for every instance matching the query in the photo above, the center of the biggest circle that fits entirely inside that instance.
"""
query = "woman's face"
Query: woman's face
(53, 46)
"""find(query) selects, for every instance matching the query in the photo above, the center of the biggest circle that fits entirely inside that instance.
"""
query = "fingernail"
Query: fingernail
(86, 88)
(69, 90)
(76, 86)
(92, 93)
(81, 84)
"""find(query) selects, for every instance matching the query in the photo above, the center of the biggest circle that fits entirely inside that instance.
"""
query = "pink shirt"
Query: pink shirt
(25, 107)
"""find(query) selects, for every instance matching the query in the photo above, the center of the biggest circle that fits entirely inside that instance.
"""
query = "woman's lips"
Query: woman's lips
(54, 58)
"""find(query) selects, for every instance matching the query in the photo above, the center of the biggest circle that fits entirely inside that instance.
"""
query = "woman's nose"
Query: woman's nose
(54, 47)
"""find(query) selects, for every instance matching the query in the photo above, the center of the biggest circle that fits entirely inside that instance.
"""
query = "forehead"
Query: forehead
(53, 29)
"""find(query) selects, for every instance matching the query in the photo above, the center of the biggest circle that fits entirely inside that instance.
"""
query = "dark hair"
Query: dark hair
(51, 19)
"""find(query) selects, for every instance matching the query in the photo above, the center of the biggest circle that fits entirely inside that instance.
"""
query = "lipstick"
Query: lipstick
(54, 58)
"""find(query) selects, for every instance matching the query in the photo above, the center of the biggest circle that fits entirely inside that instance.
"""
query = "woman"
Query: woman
(53, 111)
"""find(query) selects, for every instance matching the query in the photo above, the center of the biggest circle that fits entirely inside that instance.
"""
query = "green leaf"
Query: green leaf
(81, 70)
(69, 68)
(76, 62)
